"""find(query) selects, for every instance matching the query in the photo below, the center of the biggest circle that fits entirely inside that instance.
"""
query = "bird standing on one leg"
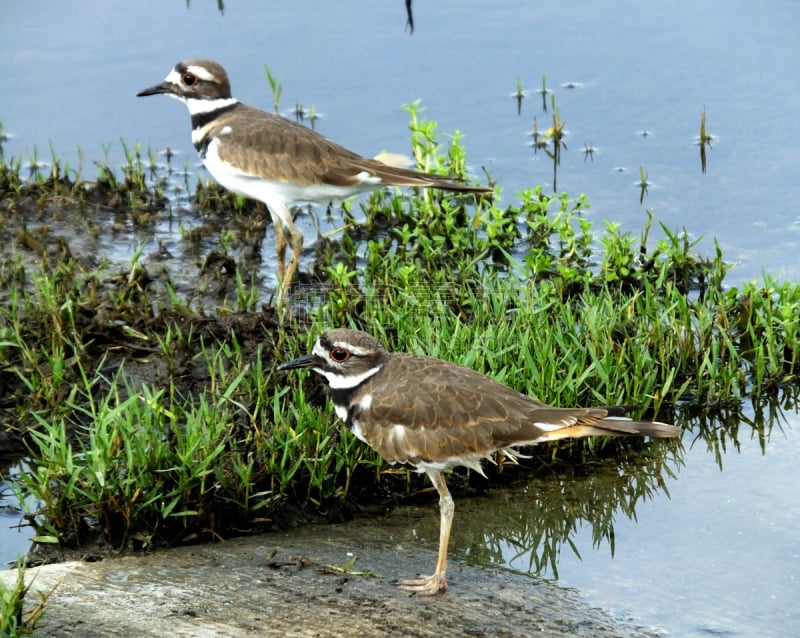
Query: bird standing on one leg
(266, 157)
(433, 415)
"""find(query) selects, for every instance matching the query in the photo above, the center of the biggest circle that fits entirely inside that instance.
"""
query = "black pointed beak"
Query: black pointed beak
(305, 361)
(155, 90)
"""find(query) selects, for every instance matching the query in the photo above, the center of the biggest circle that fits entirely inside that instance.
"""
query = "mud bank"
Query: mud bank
(288, 584)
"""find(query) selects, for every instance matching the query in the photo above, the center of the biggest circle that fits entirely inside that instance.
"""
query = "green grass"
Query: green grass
(152, 423)
(14, 619)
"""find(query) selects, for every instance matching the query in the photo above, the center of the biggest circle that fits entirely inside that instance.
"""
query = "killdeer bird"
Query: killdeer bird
(279, 162)
(433, 415)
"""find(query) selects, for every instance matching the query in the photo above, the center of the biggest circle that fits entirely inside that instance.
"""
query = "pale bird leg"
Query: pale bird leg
(296, 242)
(280, 247)
(284, 225)
(430, 585)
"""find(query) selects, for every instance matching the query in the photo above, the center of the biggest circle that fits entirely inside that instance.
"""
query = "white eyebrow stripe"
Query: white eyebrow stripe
(202, 73)
(352, 348)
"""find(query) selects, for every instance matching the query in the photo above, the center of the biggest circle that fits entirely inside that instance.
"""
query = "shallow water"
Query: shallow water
(675, 542)
(718, 555)
(639, 68)
(720, 548)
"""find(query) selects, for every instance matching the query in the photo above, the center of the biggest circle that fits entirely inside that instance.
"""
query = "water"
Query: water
(641, 68)
(717, 555)
(14, 535)
(667, 538)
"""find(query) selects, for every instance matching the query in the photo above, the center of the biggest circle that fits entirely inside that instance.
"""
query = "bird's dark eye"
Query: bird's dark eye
(340, 354)
(189, 79)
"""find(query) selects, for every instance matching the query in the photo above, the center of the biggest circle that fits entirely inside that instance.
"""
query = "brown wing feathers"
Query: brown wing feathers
(477, 415)
(398, 176)
(281, 142)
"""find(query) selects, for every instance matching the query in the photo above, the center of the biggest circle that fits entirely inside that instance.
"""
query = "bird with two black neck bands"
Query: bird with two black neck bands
(434, 415)
(269, 158)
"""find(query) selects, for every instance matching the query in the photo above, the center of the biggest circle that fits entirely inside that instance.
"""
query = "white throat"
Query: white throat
(338, 381)
(197, 106)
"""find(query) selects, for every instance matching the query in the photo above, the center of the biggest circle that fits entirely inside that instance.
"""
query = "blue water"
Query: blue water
(70, 76)
(721, 551)
(718, 555)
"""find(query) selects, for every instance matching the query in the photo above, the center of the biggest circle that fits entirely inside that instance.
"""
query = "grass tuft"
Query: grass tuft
(150, 421)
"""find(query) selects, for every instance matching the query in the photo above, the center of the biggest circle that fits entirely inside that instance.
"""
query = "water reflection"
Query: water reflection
(703, 140)
(14, 536)
(409, 17)
(408, 6)
(527, 526)
(723, 429)
(220, 6)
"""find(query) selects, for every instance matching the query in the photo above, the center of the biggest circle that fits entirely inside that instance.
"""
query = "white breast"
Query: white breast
(355, 427)
(271, 189)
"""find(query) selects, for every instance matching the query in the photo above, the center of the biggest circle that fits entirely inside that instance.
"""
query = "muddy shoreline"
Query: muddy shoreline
(291, 584)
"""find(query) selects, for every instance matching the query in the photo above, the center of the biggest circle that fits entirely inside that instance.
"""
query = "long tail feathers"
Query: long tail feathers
(611, 426)
(391, 168)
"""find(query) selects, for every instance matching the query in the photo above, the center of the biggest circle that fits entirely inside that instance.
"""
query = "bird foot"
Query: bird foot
(426, 585)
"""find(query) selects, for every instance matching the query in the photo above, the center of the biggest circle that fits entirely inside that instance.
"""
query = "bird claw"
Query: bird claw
(426, 585)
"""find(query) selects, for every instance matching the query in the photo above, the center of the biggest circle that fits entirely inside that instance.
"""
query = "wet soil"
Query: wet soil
(81, 237)
(281, 583)
(291, 584)
(108, 345)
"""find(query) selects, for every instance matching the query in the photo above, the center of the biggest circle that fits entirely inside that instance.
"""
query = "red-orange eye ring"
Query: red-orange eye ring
(189, 79)
(339, 354)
